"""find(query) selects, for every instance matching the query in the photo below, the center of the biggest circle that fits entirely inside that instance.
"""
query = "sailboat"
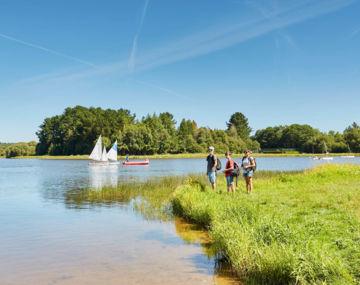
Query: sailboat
(112, 154)
(98, 156)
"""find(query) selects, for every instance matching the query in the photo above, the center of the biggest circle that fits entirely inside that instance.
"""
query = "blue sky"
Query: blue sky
(278, 62)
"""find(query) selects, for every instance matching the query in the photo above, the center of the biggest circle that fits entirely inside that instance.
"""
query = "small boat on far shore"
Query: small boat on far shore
(348, 156)
(322, 158)
(146, 162)
(326, 158)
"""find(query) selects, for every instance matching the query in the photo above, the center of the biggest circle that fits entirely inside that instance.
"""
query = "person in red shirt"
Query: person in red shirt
(228, 172)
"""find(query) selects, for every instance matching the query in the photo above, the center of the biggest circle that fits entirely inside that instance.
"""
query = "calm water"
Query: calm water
(44, 241)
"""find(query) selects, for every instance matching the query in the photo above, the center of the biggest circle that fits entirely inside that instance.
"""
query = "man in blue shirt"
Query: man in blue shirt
(211, 166)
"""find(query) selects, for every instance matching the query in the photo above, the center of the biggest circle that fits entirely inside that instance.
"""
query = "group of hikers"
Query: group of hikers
(232, 169)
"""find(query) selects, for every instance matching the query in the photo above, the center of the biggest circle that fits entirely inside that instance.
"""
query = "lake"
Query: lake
(46, 240)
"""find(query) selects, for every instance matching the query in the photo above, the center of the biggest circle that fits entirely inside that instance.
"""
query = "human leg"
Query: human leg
(249, 184)
(212, 179)
(232, 187)
(230, 183)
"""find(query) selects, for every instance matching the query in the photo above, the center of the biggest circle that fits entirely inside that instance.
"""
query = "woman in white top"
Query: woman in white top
(248, 164)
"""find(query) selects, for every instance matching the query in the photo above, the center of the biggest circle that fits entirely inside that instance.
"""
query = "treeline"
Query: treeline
(17, 149)
(307, 139)
(77, 129)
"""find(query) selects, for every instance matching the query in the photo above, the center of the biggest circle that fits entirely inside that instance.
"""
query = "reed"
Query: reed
(151, 198)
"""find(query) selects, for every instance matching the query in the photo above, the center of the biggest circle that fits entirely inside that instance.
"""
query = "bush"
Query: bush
(20, 149)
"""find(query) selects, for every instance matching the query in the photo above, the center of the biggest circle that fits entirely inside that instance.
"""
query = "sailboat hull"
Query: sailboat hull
(98, 163)
(136, 163)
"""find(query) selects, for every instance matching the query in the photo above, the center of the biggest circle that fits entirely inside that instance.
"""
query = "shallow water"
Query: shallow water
(44, 240)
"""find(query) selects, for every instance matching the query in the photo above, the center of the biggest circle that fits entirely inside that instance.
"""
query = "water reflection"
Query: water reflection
(100, 176)
(195, 234)
(143, 199)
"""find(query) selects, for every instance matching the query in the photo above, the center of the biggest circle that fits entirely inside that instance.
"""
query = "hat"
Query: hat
(211, 148)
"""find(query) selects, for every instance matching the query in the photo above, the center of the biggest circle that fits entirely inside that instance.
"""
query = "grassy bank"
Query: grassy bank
(151, 198)
(180, 155)
(295, 228)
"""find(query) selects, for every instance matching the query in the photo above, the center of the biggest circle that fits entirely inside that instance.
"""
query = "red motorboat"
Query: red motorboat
(146, 162)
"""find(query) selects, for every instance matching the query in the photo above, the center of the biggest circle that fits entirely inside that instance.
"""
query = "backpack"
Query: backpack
(218, 164)
(236, 171)
(254, 167)
(250, 157)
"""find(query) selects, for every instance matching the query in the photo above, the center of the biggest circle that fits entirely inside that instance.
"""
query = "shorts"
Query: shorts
(248, 174)
(230, 179)
(212, 176)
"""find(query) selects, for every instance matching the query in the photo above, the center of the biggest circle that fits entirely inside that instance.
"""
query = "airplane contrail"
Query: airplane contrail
(46, 49)
(131, 62)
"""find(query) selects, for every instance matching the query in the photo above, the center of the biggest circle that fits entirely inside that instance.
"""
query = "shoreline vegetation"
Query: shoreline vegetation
(77, 129)
(298, 227)
(183, 155)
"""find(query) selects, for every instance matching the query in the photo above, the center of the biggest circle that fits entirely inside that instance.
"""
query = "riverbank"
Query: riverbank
(182, 155)
(295, 228)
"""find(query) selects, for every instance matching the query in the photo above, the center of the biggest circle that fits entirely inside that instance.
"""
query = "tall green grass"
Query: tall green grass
(151, 198)
(298, 228)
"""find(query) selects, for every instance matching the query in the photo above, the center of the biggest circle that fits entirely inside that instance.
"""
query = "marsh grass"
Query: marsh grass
(299, 227)
(296, 228)
(151, 198)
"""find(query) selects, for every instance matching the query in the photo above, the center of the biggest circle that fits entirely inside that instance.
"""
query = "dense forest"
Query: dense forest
(77, 129)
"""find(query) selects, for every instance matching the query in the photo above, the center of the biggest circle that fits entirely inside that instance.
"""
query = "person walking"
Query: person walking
(229, 167)
(248, 164)
(211, 167)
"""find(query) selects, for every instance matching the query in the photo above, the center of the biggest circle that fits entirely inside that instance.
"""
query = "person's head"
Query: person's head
(228, 154)
(247, 153)
(211, 149)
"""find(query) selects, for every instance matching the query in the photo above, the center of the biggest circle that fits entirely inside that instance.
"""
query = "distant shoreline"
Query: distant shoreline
(181, 155)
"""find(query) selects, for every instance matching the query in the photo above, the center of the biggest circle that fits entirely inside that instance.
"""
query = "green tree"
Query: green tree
(270, 137)
(20, 149)
(352, 137)
(241, 124)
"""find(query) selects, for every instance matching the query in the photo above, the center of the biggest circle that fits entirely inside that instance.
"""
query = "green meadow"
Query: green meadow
(300, 227)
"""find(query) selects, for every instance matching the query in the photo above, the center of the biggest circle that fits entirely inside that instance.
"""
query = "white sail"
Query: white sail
(103, 155)
(96, 153)
(112, 154)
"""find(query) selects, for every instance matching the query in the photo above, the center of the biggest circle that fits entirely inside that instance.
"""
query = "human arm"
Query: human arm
(230, 166)
(215, 163)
